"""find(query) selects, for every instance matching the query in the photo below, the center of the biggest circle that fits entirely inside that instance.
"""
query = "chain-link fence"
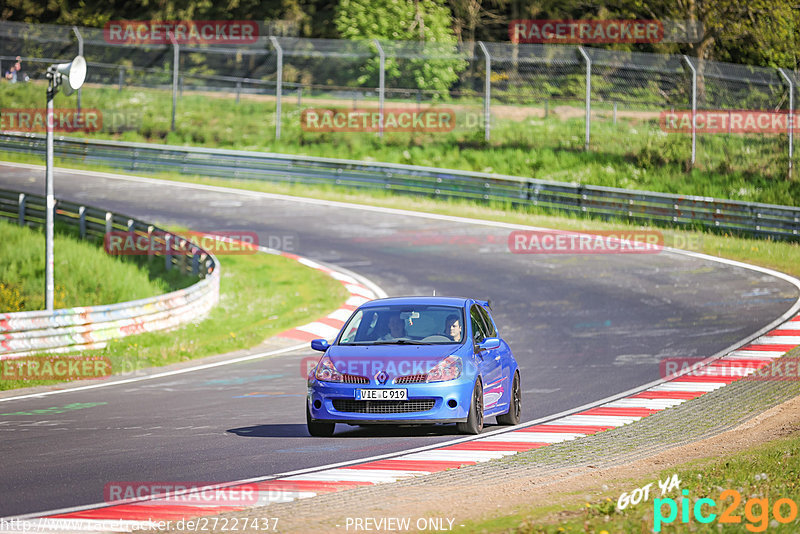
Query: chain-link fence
(555, 95)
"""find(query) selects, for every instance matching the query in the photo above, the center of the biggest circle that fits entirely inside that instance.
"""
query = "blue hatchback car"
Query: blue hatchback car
(415, 360)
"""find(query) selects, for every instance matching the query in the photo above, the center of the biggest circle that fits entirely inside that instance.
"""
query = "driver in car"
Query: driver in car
(397, 329)
(452, 328)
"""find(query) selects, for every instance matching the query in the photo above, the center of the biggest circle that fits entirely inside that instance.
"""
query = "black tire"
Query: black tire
(474, 422)
(512, 417)
(319, 429)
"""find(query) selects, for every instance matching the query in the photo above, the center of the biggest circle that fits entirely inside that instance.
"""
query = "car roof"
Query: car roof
(442, 301)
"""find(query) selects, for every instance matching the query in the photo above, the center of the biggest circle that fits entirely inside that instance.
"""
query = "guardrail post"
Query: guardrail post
(238, 90)
(21, 210)
(195, 262)
(121, 80)
(168, 252)
(694, 107)
(790, 121)
(130, 225)
(82, 221)
(109, 223)
(381, 85)
(278, 87)
(588, 61)
(150, 247)
(176, 56)
(487, 92)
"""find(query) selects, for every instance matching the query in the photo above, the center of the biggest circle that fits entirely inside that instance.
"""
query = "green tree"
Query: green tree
(427, 21)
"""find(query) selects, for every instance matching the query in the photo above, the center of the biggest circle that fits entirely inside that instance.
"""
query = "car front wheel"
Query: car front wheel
(319, 429)
(474, 422)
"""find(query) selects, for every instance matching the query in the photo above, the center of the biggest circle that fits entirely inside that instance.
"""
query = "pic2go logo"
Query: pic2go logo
(756, 511)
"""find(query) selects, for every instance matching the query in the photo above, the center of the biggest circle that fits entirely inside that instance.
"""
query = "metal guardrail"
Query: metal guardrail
(764, 220)
(69, 329)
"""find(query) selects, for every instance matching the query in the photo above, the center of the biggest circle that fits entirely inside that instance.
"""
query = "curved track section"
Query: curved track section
(583, 327)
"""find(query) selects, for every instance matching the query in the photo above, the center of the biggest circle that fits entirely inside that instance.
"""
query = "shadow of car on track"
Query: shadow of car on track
(345, 431)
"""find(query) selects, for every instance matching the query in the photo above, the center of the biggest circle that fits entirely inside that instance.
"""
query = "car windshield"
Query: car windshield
(405, 325)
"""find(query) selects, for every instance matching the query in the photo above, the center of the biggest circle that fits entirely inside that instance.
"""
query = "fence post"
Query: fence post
(381, 85)
(121, 78)
(588, 61)
(22, 200)
(176, 56)
(168, 251)
(82, 221)
(790, 122)
(694, 108)
(80, 53)
(487, 92)
(238, 90)
(278, 87)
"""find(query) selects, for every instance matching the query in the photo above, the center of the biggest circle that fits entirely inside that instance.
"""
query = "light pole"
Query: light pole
(72, 76)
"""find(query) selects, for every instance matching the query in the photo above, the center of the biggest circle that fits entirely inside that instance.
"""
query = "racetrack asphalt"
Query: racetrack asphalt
(582, 327)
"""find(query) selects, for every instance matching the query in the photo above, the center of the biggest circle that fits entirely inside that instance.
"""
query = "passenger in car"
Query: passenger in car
(452, 327)
(397, 328)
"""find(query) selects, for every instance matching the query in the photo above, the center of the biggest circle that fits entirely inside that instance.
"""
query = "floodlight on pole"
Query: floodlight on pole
(71, 76)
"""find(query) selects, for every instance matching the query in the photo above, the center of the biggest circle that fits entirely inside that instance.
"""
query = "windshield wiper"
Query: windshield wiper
(401, 342)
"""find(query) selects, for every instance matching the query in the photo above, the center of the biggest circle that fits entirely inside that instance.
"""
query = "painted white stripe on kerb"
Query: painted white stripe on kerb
(601, 420)
(777, 340)
(353, 475)
(341, 315)
(277, 496)
(652, 404)
(455, 456)
(688, 386)
(359, 290)
(754, 355)
(312, 264)
(356, 301)
(343, 277)
(319, 329)
(534, 437)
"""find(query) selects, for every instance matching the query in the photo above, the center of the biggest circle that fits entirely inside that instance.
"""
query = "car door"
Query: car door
(489, 361)
(502, 355)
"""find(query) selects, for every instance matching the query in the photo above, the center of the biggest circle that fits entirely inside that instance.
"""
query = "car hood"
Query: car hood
(395, 360)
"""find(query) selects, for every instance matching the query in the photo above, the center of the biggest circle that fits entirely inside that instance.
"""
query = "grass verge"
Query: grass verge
(760, 476)
(260, 295)
(84, 274)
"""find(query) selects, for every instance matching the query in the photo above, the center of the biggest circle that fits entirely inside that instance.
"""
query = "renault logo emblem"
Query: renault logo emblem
(382, 377)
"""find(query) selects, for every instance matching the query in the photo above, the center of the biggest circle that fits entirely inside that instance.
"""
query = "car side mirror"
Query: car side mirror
(489, 343)
(320, 344)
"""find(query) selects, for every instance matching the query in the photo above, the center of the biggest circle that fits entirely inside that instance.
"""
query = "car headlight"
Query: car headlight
(326, 371)
(447, 369)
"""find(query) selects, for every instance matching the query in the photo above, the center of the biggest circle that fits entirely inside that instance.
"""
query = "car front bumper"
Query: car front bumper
(330, 401)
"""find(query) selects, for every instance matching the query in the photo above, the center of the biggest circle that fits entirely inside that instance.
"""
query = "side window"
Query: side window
(478, 326)
(352, 328)
(491, 331)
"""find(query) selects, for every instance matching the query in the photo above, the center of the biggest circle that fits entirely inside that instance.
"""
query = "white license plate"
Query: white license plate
(381, 394)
